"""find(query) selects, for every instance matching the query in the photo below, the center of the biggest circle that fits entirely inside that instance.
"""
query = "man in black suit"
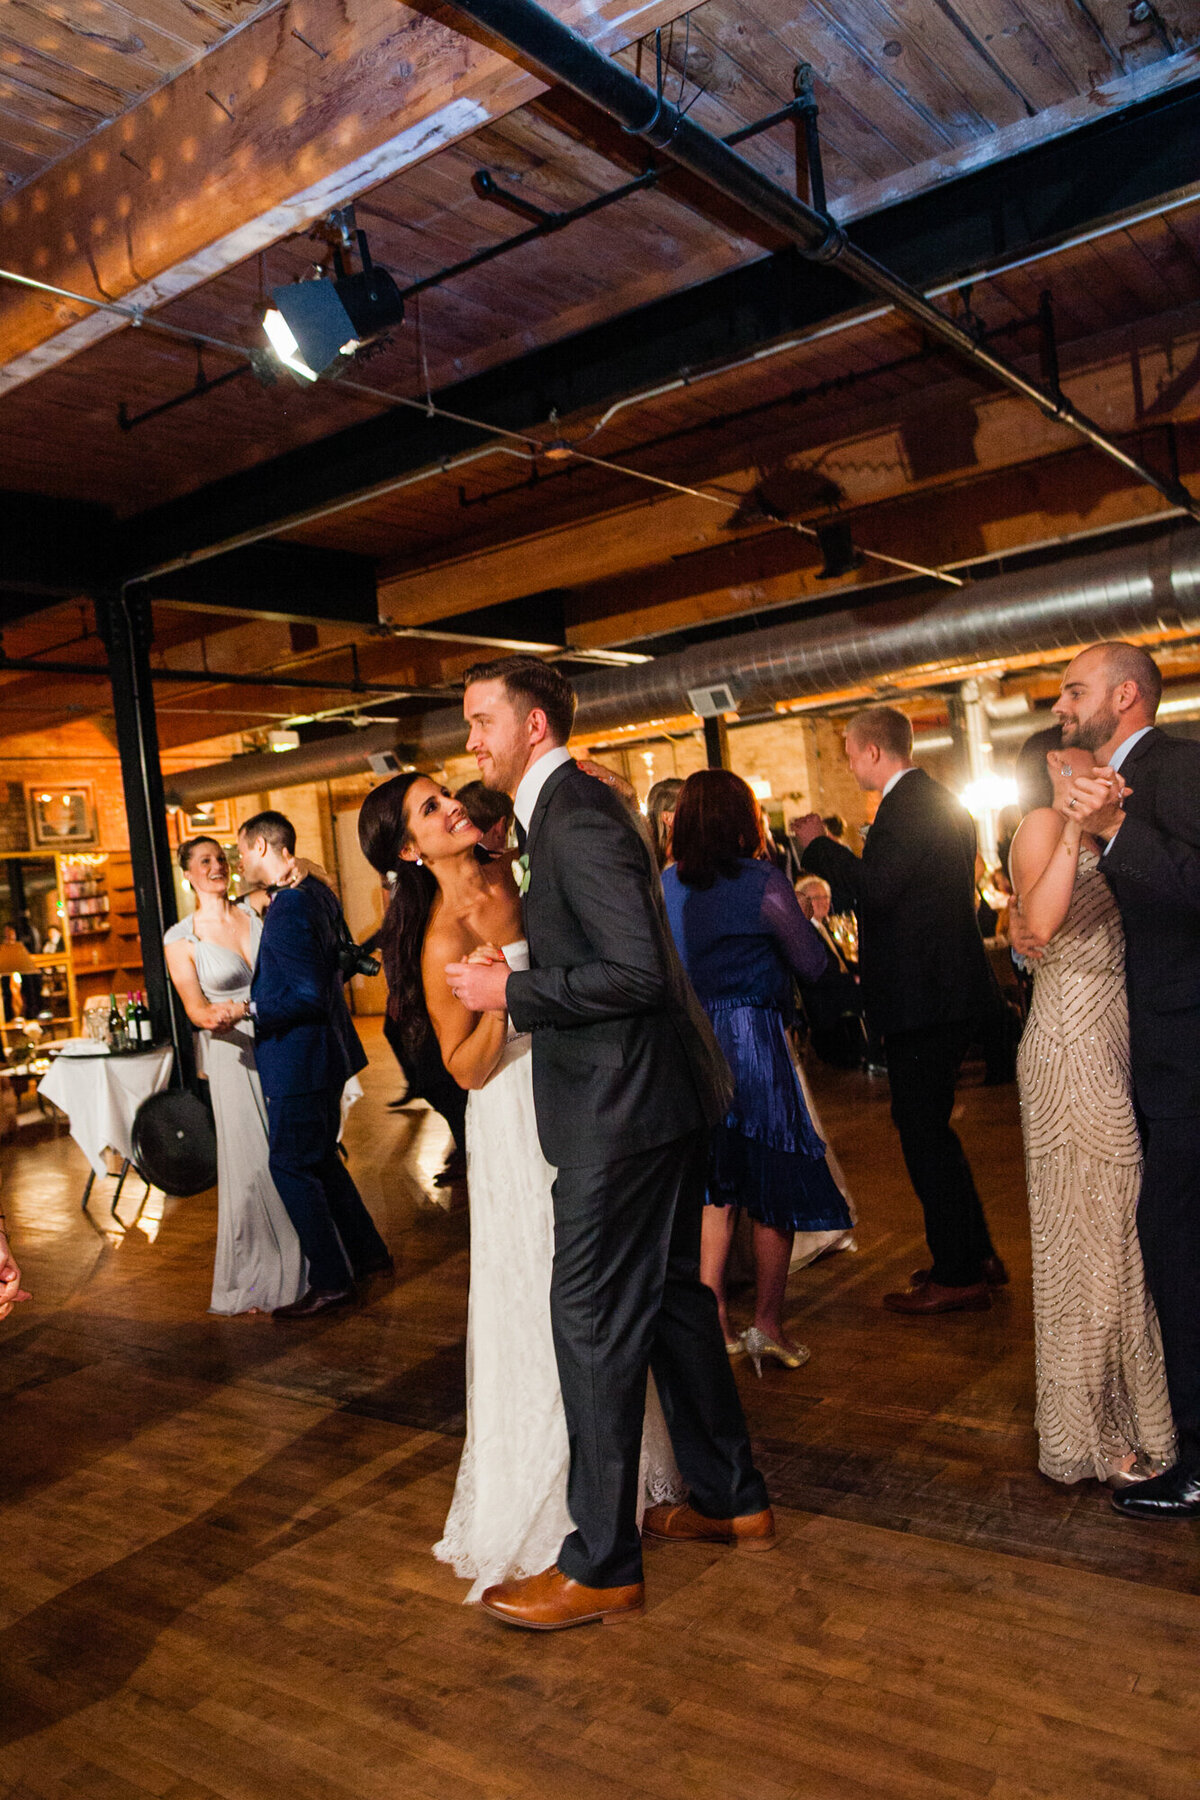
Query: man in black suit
(925, 985)
(825, 855)
(1151, 835)
(627, 1082)
(306, 1049)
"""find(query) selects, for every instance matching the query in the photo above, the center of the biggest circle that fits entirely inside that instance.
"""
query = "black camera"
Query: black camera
(352, 959)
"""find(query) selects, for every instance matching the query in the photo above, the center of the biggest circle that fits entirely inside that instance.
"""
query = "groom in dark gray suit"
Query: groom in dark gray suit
(627, 1082)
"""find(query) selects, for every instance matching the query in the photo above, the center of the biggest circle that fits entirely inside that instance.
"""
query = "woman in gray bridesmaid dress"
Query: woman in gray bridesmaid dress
(210, 956)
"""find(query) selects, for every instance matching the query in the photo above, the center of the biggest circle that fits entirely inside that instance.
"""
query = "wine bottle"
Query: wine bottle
(144, 1022)
(116, 1025)
(131, 1022)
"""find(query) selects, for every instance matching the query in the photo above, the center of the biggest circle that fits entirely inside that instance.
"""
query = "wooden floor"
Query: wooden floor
(215, 1538)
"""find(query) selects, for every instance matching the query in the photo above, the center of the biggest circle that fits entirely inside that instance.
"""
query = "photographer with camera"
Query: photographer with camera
(307, 1049)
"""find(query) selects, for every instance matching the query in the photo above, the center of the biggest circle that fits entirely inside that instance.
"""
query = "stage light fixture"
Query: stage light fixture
(312, 324)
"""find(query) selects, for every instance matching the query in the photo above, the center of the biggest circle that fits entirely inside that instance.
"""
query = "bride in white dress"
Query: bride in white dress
(509, 1513)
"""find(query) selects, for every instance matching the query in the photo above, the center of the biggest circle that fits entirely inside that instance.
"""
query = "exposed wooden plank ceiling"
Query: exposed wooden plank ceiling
(924, 461)
(69, 66)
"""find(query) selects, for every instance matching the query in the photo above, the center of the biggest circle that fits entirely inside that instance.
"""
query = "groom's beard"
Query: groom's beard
(503, 777)
(1090, 734)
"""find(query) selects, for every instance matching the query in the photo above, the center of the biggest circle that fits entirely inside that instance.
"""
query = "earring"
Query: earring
(420, 863)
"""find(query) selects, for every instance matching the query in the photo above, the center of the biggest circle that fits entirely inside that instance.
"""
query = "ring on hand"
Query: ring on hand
(1071, 804)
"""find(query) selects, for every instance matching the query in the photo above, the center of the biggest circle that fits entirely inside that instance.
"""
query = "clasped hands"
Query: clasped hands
(480, 980)
(1094, 802)
(224, 1013)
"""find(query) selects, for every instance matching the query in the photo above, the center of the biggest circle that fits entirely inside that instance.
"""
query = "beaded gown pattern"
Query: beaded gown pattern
(1101, 1387)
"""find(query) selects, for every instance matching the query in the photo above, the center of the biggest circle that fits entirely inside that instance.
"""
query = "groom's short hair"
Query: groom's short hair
(530, 682)
(275, 827)
(1129, 662)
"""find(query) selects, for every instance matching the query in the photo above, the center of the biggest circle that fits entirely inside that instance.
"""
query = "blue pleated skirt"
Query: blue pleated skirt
(766, 1155)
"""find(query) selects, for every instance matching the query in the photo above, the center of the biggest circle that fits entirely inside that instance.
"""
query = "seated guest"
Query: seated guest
(742, 938)
(832, 1003)
(210, 959)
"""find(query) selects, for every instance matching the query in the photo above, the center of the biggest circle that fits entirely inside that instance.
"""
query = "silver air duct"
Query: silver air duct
(1117, 594)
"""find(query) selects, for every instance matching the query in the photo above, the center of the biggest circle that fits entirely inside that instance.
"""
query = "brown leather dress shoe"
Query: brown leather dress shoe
(994, 1273)
(315, 1302)
(551, 1601)
(930, 1297)
(684, 1525)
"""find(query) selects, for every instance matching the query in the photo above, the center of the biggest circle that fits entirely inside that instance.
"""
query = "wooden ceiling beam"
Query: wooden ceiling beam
(306, 107)
(1058, 189)
(917, 442)
(1053, 502)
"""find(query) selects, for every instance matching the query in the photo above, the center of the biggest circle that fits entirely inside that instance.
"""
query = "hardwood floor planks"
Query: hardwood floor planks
(225, 1591)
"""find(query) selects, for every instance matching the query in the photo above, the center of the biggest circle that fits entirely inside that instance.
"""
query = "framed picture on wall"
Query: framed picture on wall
(212, 817)
(62, 816)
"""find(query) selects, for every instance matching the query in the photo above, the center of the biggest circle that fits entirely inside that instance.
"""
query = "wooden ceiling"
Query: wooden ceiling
(67, 67)
(856, 419)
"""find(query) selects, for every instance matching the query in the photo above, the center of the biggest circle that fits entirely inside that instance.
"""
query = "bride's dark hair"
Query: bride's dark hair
(382, 834)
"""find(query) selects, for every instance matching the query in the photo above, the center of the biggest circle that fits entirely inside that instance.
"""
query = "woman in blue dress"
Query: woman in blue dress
(743, 938)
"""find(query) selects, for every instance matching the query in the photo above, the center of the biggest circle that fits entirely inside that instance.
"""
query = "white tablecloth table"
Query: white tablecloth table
(100, 1096)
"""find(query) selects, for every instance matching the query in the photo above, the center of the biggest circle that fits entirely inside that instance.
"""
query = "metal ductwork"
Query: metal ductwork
(1117, 594)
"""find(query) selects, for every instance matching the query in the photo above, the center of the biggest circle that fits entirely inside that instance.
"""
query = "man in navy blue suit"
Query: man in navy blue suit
(307, 1049)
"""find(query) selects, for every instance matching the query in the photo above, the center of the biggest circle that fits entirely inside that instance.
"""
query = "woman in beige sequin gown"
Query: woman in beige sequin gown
(1102, 1407)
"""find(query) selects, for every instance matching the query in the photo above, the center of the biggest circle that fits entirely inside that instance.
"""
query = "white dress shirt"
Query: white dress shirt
(1114, 762)
(892, 780)
(534, 780)
(1122, 750)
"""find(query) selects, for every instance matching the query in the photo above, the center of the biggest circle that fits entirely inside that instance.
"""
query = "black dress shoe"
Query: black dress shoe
(315, 1302)
(1175, 1495)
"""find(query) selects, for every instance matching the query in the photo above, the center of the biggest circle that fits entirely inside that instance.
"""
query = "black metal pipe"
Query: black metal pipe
(127, 627)
(130, 421)
(537, 37)
(549, 222)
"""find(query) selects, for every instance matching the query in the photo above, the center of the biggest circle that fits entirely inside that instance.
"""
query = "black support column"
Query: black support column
(127, 627)
(716, 742)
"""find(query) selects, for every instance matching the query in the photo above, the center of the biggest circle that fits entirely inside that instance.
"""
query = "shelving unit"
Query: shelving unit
(108, 958)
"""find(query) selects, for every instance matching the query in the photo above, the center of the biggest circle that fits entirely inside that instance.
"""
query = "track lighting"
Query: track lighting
(312, 324)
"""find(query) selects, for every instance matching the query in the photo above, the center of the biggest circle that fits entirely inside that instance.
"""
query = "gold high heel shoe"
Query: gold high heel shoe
(758, 1345)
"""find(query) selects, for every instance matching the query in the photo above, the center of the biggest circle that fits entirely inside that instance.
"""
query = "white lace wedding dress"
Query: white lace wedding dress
(509, 1513)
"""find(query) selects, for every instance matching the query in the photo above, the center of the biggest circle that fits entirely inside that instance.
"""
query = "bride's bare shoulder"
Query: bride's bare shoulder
(446, 939)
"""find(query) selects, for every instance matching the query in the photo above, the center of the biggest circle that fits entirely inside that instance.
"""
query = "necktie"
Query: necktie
(521, 836)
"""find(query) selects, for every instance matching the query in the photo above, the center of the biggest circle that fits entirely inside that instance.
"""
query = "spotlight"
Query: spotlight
(838, 550)
(313, 323)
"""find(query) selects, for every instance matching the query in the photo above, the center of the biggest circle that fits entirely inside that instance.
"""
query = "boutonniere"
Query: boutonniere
(520, 869)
